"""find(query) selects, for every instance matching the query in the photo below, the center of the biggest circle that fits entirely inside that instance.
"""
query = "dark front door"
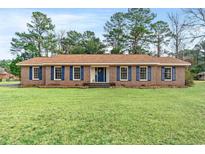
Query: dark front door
(100, 74)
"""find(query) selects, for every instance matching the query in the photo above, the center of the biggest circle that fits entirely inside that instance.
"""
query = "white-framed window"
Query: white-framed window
(123, 73)
(35, 73)
(57, 73)
(167, 73)
(143, 73)
(76, 73)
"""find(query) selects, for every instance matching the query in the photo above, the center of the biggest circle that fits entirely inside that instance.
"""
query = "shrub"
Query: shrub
(197, 68)
(188, 78)
(15, 70)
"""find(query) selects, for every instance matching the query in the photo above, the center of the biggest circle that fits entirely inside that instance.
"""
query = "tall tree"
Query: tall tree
(14, 69)
(161, 36)
(24, 44)
(5, 64)
(201, 49)
(40, 39)
(178, 28)
(61, 43)
(73, 41)
(196, 22)
(85, 43)
(139, 27)
(92, 44)
(194, 56)
(115, 32)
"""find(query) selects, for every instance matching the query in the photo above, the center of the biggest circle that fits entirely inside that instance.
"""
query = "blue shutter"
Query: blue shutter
(149, 73)
(71, 72)
(105, 75)
(162, 73)
(63, 73)
(137, 73)
(82, 73)
(40, 72)
(118, 73)
(30, 73)
(173, 73)
(52, 72)
(129, 73)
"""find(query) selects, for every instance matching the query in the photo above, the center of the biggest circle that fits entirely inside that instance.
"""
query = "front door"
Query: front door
(100, 74)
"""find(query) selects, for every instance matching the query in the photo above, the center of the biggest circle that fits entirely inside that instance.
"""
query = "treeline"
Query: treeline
(135, 31)
(42, 40)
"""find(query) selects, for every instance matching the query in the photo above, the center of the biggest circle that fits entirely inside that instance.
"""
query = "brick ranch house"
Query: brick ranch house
(92, 70)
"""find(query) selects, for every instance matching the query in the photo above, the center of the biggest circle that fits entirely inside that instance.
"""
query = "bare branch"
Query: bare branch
(196, 22)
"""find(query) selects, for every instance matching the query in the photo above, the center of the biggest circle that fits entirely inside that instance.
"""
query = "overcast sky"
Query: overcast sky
(14, 20)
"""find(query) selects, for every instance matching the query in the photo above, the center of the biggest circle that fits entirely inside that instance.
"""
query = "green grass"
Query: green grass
(103, 116)
(9, 82)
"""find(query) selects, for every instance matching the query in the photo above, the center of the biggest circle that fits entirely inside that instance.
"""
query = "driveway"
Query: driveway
(10, 85)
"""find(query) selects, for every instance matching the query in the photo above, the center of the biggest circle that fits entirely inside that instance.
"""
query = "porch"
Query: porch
(99, 74)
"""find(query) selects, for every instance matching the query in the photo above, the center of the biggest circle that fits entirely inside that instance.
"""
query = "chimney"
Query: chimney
(126, 52)
(108, 50)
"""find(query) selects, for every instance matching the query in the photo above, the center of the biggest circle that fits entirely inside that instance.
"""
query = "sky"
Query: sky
(14, 20)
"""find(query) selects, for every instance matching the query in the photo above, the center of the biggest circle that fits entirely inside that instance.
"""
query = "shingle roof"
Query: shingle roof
(95, 59)
(201, 73)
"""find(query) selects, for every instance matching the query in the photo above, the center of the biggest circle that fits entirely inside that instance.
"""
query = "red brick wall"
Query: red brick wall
(155, 81)
(180, 77)
(25, 77)
(67, 81)
(133, 82)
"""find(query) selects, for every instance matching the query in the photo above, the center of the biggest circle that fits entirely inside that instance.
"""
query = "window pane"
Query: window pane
(167, 73)
(124, 73)
(35, 73)
(58, 73)
(143, 73)
(77, 73)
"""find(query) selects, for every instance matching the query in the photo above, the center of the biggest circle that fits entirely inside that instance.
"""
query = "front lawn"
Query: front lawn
(102, 116)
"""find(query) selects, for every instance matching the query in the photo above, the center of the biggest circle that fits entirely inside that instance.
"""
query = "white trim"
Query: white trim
(99, 66)
(120, 73)
(171, 74)
(74, 73)
(55, 72)
(91, 74)
(105, 64)
(106, 71)
(173, 64)
(107, 74)
(146, 73)
(33, 73)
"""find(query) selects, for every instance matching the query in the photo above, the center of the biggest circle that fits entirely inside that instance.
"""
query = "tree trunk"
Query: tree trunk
(197, 59)
(158, 48)
(39, 49)
(46, 53)
(177, 47)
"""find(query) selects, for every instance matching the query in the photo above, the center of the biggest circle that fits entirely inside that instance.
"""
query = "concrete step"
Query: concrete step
(99, 85)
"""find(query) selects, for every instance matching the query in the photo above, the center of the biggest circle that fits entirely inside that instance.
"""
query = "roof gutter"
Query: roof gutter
(55, 64)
